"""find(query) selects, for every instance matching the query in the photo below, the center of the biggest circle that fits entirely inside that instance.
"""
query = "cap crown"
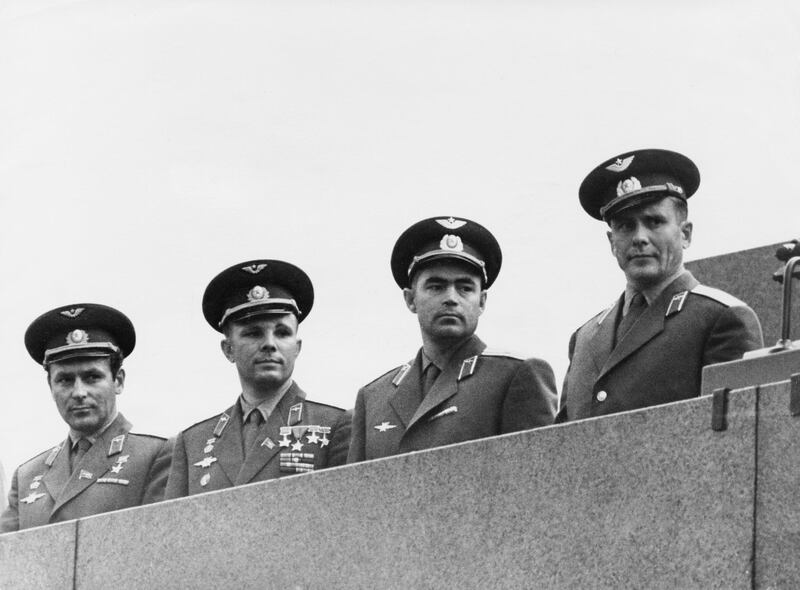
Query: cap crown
(79, 330)
(446, 237)
(257, 287)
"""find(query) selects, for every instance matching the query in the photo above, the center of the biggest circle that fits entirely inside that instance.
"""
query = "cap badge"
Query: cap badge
(254, 269)
(628, 185)
(72, 313)
(451, 223)
(451, 242)
(257, 293)
(619, 165)
(77, 337)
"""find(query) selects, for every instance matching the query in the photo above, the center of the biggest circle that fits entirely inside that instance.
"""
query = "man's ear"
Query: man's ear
(119, 381)
(299, 345)
(611, 244)
(484, 295)
(227, 349)
(408, 296)
(686, 230)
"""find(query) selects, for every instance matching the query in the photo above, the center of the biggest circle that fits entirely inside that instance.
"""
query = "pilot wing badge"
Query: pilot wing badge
(384, 426)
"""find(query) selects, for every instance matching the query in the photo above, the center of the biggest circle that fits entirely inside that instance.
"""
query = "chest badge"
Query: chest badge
(384, 426)
(206, 462)
(32, 497)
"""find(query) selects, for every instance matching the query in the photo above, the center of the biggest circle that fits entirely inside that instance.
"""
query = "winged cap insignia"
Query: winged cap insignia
(451, 242)
(451, 223)
(257, 293)
(77, 337)
(72, 313)
(628, 186)
(254, 269)
(620, 164)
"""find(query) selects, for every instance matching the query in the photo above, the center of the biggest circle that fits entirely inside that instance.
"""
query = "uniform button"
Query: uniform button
(601, 396)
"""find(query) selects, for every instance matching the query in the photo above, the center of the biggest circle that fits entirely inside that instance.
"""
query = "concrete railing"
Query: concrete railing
(651, 498)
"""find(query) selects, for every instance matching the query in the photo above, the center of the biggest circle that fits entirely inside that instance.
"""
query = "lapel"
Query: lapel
(228, 447)
(446, 384)
(96, 462)
(602, 334)
(649, 325)
(263, 454)
(57, 475)
(405, 397)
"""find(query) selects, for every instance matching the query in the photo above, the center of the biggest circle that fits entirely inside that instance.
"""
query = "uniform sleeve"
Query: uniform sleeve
(9, 520)
(340, 440)
(357, 438)
(178, 478)
(157, 476)
(736, 331)
(531, 398)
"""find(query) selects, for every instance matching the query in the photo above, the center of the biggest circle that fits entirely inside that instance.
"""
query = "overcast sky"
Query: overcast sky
(147, 145)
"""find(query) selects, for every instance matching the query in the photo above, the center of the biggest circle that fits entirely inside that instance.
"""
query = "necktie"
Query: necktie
(251, 428)
(637, 306)
(79, 451)
(431, 374)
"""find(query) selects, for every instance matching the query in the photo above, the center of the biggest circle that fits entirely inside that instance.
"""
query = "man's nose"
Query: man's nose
(268, 343)
(640, 234)
(79, 388)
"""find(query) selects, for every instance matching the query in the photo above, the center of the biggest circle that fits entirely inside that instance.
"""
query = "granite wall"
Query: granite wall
(652, 498)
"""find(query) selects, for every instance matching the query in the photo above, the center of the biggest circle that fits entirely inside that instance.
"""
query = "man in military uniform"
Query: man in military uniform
(650, 346)
(455, 389)
(102, 465)
(271, 430)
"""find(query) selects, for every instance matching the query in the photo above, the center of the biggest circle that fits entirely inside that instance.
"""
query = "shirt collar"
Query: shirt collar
(267, 406)
(427, 361)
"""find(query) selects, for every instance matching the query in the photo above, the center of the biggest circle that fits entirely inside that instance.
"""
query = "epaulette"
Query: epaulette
(51, 451)
(604, 314)
(719, 296)
(213, 419)
(325, 405)
(157, 437)
(505, 353)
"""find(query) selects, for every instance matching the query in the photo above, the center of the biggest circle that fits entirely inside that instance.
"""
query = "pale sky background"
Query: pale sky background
(147, 145)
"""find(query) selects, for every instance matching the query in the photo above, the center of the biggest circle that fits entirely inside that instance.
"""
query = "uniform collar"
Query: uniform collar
(652, 293)
(267, 406)
(75, 436)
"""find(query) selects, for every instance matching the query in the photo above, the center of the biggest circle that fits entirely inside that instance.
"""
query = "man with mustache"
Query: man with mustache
(271, 430)
(102, 465)
(650, 346)
(455, 389)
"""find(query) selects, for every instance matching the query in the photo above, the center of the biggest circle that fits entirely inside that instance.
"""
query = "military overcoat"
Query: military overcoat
(479, 393)
(660, 360)
(120, 470)
(299, 436)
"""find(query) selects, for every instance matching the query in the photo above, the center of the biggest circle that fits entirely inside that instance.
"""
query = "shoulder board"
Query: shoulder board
(325, 405)
(505, 353)
(396, 371)
(51, 452)
(142, 435)
(213, 419)
(722, 297)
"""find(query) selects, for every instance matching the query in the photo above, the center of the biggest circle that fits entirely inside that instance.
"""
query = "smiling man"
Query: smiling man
(455, 389)
(650, 346)
(271, 430)
(101, 466)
